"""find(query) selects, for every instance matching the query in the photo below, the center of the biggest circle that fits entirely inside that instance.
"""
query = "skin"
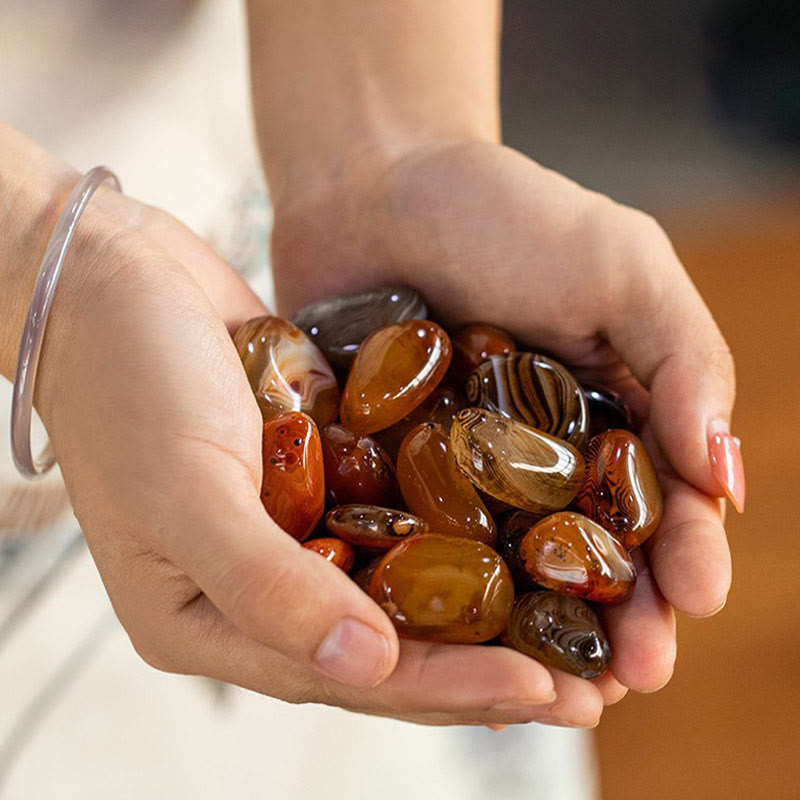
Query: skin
(379, 130)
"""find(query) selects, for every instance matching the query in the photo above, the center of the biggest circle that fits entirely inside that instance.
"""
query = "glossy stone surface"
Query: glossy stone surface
(559, 631)
(373, 527)
(620, 489)
(533, 389)
(395, 370)
(440, 406)
(334, 550)
(442, 589)
(339, 325)
(571, 554)
(607, 410)
(435, 489)
(293, 486)
(357, 469)
(510, 533)
(514, 462)
(474, 343)
(286, 370)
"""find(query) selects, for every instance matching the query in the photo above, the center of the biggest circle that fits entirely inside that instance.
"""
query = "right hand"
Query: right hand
(159, 440)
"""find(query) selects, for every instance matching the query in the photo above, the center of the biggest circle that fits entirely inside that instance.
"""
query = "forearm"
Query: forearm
(342, 87)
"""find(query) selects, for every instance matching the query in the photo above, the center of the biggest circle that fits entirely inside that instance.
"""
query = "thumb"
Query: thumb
(680, 355)
(281, 594)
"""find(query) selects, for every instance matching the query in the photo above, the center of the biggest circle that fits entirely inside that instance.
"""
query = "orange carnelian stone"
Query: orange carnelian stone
(474, 343)
(435, 489)
(395, 370)
(334, 550)
(293, 486)
(573, 555)
(443, 589)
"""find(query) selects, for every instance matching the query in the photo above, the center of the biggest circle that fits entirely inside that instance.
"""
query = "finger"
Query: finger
(667, 336)
(642, 635)
(610, 688)
(689, 553)
(274, 591)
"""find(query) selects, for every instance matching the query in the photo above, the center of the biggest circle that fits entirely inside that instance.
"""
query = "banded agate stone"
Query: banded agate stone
(607, 410)
(441, 406)
(293, 485)
(357, 469)
(334, 550)
(474, 343)
(620, 488)
(372, 527)
(559, 631)
(533, 389)
(443, 589)
(571, 554)
(518, 464)
(395, 370)
(339, 325)
(435, 489)
(286, 370)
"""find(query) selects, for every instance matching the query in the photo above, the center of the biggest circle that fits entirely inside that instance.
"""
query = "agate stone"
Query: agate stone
(338, 326)
(444, 589)
(607, 410)
(357, 469)
(435, 489)
(533, 389)
(511, 532)
(293, 485)
(620, 489)
(516, 463)
(395, 370)
(373, 527)
(286, 370)
(334, 550)
(474, 343)
(559, 631)
(571, 554)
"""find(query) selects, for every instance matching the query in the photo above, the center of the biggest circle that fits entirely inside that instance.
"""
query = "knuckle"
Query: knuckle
(153, 653)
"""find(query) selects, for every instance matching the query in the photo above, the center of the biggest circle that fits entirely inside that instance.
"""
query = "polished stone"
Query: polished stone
(334, 550)
(373, 527)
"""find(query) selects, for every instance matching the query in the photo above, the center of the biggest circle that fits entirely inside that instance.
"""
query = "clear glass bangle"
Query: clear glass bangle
(36, 322)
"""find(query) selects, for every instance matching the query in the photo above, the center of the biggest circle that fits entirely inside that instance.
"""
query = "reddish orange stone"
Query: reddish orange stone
(443, 589)
(395, 370)
(334, 550)
(620, 488)
(357, 469)
(435, 489)
(473, 344)
(293, 485)
(571, 554)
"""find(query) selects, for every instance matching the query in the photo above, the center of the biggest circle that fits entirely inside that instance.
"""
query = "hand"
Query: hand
(486, 234)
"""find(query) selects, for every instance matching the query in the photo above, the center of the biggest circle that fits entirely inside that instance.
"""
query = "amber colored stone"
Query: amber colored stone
(620, 489)
(510, 533)
(293, 486)
(516, 463)
(395, 370)
(357, 469)
(435, 489)
(559, 631)
(607, 410)
(571, 554)
(373, 527)
(443, 589)
(286, 370)
(339, 325)
(474, 343)
(334, 550)
(533, 389)
(440, 406)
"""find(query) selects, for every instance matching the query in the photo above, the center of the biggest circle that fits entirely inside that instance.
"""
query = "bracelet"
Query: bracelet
(39, 310)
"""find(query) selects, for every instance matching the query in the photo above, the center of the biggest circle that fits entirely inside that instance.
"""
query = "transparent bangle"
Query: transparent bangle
(36, 322)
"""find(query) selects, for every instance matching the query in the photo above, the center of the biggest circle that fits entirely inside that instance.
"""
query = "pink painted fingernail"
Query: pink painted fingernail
(724, 452)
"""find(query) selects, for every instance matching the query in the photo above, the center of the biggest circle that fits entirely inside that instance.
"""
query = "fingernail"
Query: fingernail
(496, 727)
(724, 452)
(526, 705)
(565, 723)
(355, 654)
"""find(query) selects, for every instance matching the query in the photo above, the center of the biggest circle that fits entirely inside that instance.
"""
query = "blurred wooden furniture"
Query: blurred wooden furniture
(728, 725)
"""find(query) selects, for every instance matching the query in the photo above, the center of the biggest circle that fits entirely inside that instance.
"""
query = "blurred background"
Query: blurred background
(690, 110)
